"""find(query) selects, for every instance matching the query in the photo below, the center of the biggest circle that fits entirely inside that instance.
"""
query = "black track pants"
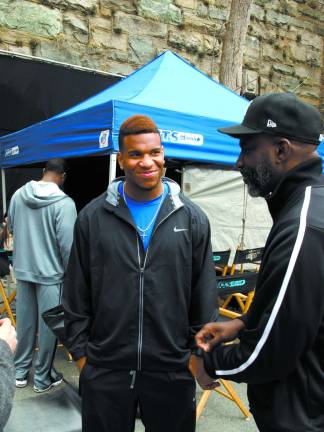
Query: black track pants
(110, 398)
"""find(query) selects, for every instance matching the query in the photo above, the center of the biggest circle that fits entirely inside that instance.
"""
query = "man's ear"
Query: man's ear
(120, 160)
(283, 150)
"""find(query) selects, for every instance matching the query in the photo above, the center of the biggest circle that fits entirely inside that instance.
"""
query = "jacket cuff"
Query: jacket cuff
(77, 355)
(209, 364)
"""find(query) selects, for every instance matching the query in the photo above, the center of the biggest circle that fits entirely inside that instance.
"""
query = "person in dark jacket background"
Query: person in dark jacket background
(281, 350)
(140, 283)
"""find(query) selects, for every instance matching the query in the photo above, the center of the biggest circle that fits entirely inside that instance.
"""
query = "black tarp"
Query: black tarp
(33, 90)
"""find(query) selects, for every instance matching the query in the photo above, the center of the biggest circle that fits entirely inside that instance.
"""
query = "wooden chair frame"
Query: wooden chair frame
(229, 393)
(6, 303)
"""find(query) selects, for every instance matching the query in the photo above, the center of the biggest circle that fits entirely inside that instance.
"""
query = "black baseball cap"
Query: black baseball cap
(281, 114)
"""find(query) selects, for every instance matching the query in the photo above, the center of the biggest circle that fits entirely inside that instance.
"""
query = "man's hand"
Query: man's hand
(8, 333)
(196, 366)
(214, 333)
(81, 363)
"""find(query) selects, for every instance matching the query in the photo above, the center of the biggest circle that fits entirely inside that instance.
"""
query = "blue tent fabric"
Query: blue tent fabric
(187, 105)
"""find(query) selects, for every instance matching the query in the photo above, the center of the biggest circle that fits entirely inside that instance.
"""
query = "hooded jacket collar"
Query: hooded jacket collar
(36, 194)
(305, 174)
(113, 196)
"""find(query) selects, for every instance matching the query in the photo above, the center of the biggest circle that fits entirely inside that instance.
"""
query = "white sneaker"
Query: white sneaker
(53, 384)
(21, 383)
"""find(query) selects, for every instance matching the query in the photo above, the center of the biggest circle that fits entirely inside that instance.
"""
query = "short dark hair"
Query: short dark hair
(135, 125)
(57, 165)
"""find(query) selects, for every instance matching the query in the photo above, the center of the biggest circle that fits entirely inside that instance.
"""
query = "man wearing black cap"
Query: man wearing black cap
(281, 350)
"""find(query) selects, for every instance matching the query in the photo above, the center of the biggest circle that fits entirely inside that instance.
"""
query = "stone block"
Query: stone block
(283, 68)
(202, 10)
(262, 31)
(94, 58)
(119, 56)
(138, 26)
(297, 52)
(189, 4)
(86, 5)
(106, 6)
(276, 18)
(76, 26)
(161, 10)
(141, 49)
(62, 50)
(313, 58)
(81, 5)
(287, 82)
(200, 24)
(292, 34)
(270, 52)
(218, 13)
(253, 46)
(311, 39)
(191, 42)
(267, 86)
(257, 12)
(31, 18)
(302, 71)
(118, 68)
(100, 23)
(310, 93)
(108, 39)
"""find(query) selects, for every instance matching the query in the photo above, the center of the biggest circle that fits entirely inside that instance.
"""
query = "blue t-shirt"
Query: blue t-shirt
(144, 213)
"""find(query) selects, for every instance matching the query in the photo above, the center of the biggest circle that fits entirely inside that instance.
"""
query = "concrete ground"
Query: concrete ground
(54, 412)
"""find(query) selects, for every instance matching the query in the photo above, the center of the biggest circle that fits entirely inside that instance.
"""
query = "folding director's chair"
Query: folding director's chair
(226, 286)
(221, 260)
(4, 299)
(245, 292)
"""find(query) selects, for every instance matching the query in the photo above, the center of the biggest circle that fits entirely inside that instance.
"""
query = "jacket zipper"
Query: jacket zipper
(133, 375)
(141, 293)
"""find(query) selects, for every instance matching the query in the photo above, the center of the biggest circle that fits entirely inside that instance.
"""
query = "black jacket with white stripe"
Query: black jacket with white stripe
(281, 350)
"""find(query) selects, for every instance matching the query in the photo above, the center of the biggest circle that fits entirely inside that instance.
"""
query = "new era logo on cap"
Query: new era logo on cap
(271, 124)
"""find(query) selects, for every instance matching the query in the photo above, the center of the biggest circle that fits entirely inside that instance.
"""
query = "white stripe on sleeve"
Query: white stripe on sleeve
(282, 292)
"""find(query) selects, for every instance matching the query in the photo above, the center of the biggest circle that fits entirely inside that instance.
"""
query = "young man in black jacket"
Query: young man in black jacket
(281, 349)
(140, 283)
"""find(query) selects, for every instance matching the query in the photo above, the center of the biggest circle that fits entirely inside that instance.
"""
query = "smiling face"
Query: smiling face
(142, 159)
(257, 164)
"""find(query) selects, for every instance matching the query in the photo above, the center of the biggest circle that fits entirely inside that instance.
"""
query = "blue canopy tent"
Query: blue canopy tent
(187, 105)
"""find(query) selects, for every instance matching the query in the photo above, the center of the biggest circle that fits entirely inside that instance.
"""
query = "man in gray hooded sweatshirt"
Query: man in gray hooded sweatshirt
(41, 217)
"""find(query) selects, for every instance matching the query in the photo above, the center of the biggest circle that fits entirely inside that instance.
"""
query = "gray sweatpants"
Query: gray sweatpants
(32, 300)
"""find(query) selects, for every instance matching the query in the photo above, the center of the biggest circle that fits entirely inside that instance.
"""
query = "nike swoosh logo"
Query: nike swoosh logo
(175, 229)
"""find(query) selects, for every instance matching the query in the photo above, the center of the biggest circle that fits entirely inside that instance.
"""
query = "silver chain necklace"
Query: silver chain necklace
(143, 231)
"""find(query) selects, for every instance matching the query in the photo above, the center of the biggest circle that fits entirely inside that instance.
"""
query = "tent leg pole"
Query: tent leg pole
(4, 191)
(183, 168)
(112, 167)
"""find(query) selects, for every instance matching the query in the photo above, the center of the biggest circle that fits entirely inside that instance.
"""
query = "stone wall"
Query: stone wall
(284, 48)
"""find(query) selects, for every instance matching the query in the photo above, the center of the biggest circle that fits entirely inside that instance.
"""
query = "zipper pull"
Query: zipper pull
(133, 374)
